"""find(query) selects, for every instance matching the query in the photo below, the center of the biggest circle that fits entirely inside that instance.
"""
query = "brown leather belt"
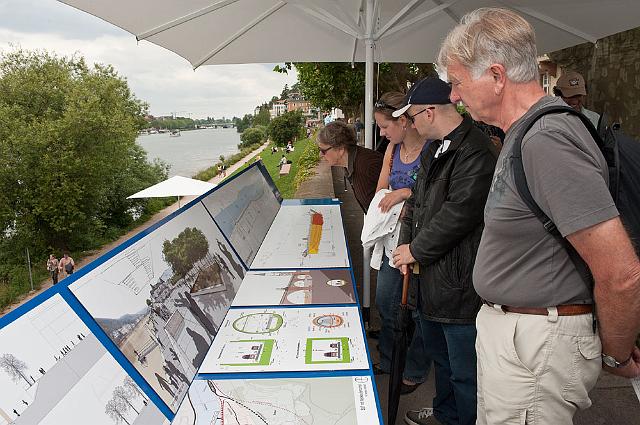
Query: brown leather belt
(563, 310)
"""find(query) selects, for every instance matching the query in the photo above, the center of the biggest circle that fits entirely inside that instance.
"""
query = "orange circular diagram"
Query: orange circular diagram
(328, 321)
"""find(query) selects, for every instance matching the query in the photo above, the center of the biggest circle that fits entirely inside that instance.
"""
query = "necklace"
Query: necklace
(408, 152)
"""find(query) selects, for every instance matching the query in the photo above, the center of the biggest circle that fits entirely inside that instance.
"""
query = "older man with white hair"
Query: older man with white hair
(538, 355)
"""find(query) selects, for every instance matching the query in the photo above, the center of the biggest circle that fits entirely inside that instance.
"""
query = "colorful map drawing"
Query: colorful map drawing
(304, 339)
(249, 352)
(290, 287)
(290, 237)
(345, 400)
(244, 210)
(315, 233)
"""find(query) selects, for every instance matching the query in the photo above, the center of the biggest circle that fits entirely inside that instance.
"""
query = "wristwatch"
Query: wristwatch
(612, 362)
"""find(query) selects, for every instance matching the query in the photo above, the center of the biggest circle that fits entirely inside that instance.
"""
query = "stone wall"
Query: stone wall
(611, 69)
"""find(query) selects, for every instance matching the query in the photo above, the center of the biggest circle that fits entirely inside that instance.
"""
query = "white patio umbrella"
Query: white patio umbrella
(175, 186)
(210, 32)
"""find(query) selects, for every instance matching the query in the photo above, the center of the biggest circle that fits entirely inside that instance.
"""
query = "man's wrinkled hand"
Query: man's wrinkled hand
(631, 370)
(402, 256)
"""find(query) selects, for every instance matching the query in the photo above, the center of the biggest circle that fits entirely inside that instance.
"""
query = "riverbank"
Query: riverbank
(154, 219)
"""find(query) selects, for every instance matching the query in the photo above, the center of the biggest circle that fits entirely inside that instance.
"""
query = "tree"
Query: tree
(14, 367)
(133, 387)
(124, 395)
(252, 136)
(243, 123)
(68, 157)
(286, 127)
(284, 95)
(263, 117)
(116, 410)
(189, 247)
(339, 85)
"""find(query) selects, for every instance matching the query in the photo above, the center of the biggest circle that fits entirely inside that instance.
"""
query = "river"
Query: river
(193, 151)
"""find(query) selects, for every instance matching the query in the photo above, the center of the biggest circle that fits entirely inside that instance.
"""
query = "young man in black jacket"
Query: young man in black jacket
(440, 234)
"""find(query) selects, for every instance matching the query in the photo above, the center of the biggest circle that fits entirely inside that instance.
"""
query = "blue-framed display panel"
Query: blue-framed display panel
(62, 288)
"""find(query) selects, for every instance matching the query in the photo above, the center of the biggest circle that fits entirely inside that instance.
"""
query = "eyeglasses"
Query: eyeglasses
(324, 151)
(412, 117)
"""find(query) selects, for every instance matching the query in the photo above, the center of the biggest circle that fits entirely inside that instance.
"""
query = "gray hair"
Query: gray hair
(337, 133)
(492, 35)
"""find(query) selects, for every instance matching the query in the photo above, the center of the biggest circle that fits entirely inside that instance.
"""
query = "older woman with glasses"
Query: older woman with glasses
(337, 144)
(399, 171)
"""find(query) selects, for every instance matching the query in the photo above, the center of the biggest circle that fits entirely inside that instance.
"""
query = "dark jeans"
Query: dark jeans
(388, 297)
(452, 349)
(54, 276)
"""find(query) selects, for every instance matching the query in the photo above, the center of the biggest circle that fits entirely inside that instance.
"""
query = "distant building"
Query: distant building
(279, 108)
(549, 73)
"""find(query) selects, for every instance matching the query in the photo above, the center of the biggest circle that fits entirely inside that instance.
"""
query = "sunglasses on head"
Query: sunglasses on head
(380, 104)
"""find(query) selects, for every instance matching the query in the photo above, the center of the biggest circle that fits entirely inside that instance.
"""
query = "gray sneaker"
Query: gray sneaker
(423, 416)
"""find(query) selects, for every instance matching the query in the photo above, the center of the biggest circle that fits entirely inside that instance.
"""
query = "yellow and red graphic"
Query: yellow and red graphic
(315, 232)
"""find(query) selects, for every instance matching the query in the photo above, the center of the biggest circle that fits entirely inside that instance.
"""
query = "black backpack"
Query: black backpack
(622, 154)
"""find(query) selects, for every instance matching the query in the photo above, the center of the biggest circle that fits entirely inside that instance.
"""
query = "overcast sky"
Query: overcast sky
(161, 78)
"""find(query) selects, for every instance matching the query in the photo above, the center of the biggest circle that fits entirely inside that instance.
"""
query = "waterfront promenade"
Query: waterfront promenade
(154, 219)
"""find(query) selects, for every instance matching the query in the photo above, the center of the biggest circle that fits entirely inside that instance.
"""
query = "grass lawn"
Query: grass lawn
(303, 158)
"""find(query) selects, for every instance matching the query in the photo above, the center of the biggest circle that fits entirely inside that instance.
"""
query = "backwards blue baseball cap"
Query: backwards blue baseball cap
(428, 91)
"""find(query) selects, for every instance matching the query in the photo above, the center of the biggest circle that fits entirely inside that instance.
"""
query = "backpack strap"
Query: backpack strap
(525, 193)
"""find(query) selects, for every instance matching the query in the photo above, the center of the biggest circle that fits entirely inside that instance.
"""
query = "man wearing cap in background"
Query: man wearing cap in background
(572, 88)
(440, 233)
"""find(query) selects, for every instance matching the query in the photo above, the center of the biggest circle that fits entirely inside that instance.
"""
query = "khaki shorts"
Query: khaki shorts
(534, 369)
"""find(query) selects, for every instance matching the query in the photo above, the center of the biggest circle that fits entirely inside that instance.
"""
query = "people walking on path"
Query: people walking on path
(66, 265)
(52, 267)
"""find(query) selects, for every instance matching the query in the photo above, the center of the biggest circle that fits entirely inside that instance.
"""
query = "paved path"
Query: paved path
(154, 219)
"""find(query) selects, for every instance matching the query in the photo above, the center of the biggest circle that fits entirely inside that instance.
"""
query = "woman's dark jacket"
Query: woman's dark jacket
(443, 222)
(363, 171)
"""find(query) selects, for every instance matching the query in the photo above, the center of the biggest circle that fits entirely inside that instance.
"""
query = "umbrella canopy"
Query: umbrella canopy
(209, 32)
(175, 186)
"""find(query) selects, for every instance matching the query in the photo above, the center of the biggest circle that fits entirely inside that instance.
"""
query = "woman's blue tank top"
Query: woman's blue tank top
(404, 175)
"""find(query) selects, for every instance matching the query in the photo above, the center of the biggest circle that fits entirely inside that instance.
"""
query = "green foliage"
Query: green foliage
(286, 127)
(263, 117)
(68, 157)
(178, 123)
(309, 159)
(189, 247)
(211, 172)
(243, 123)
(252, 136)
(303, 160)
(339, 85)
(284, 95)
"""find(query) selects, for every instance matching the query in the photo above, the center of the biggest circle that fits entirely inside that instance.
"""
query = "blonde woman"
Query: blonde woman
(399, 170)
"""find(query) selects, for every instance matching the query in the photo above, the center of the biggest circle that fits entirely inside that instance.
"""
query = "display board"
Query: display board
(244, 209)
(127, 337)
(304, 236)
(288, 339)
(53, 370)
(293, 287)
(162, 299)
(329, 400)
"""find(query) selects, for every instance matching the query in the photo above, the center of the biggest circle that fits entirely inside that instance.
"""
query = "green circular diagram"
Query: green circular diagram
(258, 323)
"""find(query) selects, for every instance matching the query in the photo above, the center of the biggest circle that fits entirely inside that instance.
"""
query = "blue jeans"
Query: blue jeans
(452, 349)
(388, 297)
